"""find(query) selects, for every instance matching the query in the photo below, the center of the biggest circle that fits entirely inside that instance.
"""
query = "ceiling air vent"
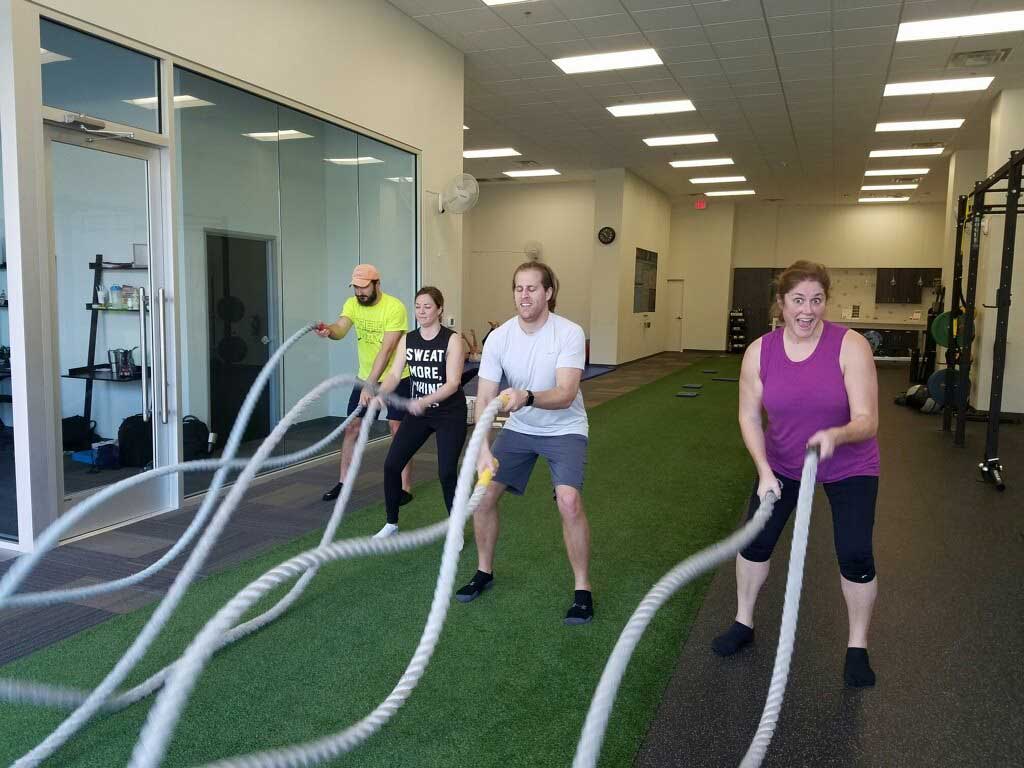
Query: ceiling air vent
(526, 163)
(772, 199)
(977, 59)
(907, 180)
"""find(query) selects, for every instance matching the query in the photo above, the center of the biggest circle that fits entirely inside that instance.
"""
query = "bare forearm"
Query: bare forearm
(555, 399)
(443, 392)
(753, 438)
(859, 429)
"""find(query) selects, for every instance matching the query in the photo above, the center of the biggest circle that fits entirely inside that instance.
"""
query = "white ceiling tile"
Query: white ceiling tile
(864, 53)
(881, 16)
(646, 5)
(864, 67)
(443, 6)
(939, 50)
(560, 50)
(536, 12)
(805, 59)
(498, 38)
(602, 26)
(1007, 40)
(865, 36)
(748, 63)
(610, 91)
(932, 9)
(581, 9)
(668, 38)
(736, 30)
(550, 32)
(466, 22)
(802, 24)
(754, 47)
(746, 90)
(685, 53)
(796, 43)
(535, 69)
(410, 7)
(667, 18)
(524, 54)
(791, 7)
(640, 74)
(755, 76)
(619, 42)
(696, 68)
(715, 11)
(846, 5)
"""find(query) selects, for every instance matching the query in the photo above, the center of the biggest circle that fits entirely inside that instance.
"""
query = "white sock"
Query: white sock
(389, 529)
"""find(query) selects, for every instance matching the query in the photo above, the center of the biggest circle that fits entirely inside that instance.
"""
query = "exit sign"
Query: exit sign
(700, 203)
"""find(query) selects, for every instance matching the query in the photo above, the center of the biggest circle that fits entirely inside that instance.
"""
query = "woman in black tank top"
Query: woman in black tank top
(435, 358)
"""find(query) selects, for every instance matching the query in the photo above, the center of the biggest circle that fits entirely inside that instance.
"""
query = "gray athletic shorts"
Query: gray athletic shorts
(517, 453)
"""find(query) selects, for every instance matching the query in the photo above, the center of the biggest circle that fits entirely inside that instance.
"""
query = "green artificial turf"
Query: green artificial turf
(509, 685)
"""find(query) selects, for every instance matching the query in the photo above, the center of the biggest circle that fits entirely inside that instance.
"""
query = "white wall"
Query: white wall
(701, 252)
(560, 216)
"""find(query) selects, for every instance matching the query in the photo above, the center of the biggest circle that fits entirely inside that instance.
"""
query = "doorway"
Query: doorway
(675, 306)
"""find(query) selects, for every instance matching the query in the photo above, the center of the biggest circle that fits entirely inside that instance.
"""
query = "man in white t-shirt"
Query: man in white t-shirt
(542, 355)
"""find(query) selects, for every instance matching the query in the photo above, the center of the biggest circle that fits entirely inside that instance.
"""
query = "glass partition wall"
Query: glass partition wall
(277, 208)
(8, 482)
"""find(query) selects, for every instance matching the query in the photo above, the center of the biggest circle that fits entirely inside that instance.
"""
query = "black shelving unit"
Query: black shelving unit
(91, 371)
(737, 330)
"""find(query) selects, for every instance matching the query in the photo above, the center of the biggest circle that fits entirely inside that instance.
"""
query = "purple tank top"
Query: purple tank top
(802, 398)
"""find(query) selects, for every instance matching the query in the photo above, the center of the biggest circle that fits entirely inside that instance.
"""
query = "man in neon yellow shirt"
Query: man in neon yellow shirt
(380, 321)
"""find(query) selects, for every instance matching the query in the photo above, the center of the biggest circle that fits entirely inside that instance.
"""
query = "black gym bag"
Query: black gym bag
(77, 433)
(195, 436)
(135, 442)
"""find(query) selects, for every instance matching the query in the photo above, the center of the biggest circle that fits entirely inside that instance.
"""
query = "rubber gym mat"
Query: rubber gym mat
(693, 386)
(723, 378)
(709, 371)
(687, 394)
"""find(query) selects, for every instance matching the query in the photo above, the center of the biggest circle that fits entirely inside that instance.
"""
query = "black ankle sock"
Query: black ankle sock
(583, 597)
(482, 578)
(857, 673)
(733, 639)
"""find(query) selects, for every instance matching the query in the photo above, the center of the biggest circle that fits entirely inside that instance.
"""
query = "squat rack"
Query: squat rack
(974, 207)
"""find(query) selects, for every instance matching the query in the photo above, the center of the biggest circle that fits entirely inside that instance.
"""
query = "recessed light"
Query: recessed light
(352, 160)
(669, 141)
(882, 199)
(471, 154)
(727, 193)
(717, 179)
(538, 172)
(961, 26)
(465, 127)
(652, 108)
(919, 125)
(701, 163)
(896, 172)
(278, 135)
(602, 62)
(909, 152)
(49, 57)
(880, 187)
(181, 101)
(953, 85)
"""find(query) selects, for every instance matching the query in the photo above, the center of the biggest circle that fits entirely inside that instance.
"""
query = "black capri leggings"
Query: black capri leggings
(853, 519)
(450, 430)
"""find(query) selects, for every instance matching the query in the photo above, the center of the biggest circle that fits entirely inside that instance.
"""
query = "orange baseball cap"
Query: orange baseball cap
(364, 274)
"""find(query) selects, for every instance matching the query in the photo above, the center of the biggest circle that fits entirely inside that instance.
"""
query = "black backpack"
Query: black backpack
(77, 433)
(194, 438)
(135, 442)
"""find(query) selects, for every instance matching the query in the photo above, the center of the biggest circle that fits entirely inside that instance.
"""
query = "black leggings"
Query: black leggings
(853, 519)
(450, 430)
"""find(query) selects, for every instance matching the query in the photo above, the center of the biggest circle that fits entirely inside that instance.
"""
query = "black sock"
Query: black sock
(583, 597)
(482, 578)
(733, 639)
(857, 673)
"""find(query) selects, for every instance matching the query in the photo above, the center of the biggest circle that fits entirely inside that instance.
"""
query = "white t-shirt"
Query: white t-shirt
(529, 362)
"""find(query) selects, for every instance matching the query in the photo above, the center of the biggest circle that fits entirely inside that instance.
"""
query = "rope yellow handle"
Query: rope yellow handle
(487, 475)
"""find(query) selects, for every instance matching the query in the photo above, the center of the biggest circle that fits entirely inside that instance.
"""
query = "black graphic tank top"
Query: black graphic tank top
(427, 361)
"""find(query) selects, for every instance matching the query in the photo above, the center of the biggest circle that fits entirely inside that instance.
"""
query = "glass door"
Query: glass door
(108, 321)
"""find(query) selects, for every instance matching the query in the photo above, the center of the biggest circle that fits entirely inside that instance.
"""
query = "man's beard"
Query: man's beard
(368, 300)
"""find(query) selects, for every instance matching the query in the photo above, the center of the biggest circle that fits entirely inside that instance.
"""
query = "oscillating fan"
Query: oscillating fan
(459, 195)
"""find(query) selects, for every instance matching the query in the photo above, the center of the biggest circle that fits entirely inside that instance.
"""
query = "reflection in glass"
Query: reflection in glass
(82, 73)
(8, 482)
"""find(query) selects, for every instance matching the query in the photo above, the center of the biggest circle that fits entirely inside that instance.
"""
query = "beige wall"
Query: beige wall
(337, 57)
(606, 274)
(701, 248)
(559, 216)
(881, 235)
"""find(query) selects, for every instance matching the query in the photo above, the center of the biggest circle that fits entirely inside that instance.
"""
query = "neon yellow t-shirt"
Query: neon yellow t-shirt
(371, 323)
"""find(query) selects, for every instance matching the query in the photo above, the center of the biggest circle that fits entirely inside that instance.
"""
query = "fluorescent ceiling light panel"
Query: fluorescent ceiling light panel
(954, 85)
(717, 179)
(880, 187)
(181, 101)
(49, 57)
(882, 199)
(471, 154)
(602, 62)
(701, 163)
(897, 172)
(919, 125)
(399, 179)
(278, 135)
(729, 192)
(905, 152)
(526, 174)
(671, 141)
(352, 160)
(652, 108)
(961, 26)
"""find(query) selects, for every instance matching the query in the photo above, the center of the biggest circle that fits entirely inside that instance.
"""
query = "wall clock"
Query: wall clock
(606, 235)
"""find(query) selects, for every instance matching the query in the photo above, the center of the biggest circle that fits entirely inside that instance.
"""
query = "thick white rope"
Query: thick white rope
(589, 748)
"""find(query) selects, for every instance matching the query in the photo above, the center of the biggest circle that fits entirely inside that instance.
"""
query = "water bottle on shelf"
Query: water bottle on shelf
(115, 296)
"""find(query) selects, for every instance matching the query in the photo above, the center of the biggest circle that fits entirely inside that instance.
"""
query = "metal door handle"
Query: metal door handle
(161, 299)
(265, 340)
(142, 350)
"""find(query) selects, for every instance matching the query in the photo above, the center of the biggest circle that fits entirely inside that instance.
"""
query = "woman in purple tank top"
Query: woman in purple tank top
(816, 382)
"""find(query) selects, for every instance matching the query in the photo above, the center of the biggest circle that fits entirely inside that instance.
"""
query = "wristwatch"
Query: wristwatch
(529, 399)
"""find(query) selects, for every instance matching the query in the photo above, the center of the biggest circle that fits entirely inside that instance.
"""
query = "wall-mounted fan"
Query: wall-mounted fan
(459, 195)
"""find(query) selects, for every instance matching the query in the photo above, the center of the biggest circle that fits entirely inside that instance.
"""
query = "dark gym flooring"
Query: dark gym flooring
(946, 639)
